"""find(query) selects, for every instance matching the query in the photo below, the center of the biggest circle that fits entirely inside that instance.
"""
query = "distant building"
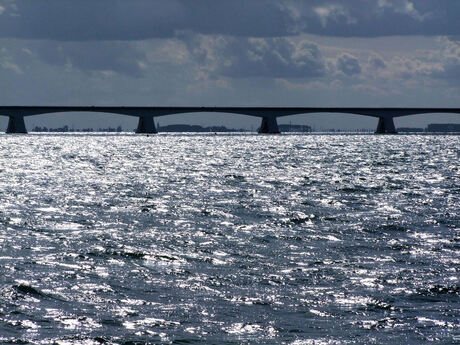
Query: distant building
(443, 127)
(67, 129)
(294, 128)
(45, 129)
(195, 128)
(410, 130)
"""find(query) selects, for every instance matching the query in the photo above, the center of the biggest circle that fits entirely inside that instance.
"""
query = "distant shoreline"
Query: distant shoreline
(448, 128)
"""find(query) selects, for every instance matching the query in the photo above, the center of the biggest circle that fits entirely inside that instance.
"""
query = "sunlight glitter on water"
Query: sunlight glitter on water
(229, 239)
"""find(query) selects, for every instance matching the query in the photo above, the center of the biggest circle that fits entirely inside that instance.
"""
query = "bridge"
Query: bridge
(268, 115)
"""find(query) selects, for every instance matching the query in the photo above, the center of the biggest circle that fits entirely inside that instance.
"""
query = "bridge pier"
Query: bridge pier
(269, 125)
(16, 124)
(146, 125)
(386, 126)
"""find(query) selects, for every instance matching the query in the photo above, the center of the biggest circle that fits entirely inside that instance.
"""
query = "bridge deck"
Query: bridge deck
(251, 111)
(269, 115)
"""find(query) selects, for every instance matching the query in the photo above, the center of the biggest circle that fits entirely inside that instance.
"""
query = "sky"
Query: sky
(344, 53)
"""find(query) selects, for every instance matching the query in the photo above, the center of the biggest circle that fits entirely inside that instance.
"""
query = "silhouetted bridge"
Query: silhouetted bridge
(268, 115)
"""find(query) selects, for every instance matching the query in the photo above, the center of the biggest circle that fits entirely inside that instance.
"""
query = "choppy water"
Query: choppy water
(229, 239)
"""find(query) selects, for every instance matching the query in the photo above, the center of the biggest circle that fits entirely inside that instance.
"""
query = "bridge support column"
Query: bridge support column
(146, 125)
(386, 126)
(269, 125)
(16, 124)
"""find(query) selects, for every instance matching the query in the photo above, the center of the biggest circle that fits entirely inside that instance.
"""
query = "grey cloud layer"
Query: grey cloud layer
(262, 57)
(276, 58)
(120, 57)
(81, 20)
(232, 39)
(348, 64)
(216, 56)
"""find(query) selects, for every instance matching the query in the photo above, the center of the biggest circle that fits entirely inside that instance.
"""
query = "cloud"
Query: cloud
(376, 62)
(11, 66)
(6, 62)
(331, 12)
(121, 57)
(83, 20)
(258, 57)
(68, 20)
(450, 62)
(348, 64)
(373, 18)
(402, 6)
(254, 18)
(422, 67)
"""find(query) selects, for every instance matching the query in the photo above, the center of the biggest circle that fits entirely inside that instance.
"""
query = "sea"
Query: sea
(302, 239)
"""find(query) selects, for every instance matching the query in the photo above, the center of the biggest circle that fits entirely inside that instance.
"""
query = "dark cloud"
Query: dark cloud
(214, 56)
(250, 18)
(372, 18)
(348, 64)
(376, 62)
(70, 20)
(120, 57)
(82, 20)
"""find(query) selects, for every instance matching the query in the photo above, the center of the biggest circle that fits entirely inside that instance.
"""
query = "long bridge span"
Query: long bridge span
(268, 115)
